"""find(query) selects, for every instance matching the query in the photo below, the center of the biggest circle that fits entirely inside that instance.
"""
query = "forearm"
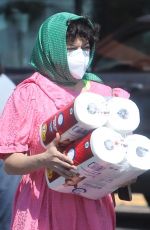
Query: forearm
(19, 163)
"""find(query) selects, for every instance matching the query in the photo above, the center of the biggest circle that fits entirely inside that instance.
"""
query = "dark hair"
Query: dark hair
(83, 28)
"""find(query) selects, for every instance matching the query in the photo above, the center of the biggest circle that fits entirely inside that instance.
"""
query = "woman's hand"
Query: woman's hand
(52, 158)
(56, 161)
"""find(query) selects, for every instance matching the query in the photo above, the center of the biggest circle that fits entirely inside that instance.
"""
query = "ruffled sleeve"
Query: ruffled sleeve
(17, 120)
(118, 92)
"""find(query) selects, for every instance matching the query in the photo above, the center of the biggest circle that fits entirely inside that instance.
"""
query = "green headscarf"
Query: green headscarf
(49, 56)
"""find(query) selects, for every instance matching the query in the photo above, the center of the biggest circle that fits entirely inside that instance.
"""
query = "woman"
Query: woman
(62, 53)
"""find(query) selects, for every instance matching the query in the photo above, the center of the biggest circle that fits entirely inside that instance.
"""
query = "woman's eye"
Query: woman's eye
(71, 48)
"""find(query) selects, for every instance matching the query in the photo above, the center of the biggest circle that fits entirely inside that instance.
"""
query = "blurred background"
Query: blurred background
(122, 58)
(20, 20)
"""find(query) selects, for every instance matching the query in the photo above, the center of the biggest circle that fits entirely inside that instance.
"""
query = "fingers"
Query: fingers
(64, 161)
(54, 157)
(57, 139)
(55, 142)
(63, 171)
(59, 155)
(58, 161)
(65, 158)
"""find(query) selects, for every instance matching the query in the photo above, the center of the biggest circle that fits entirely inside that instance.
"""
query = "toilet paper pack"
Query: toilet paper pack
(102, 163)
(96, 157)
(75, 120)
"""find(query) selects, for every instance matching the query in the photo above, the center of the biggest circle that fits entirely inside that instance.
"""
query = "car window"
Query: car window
(131, 54)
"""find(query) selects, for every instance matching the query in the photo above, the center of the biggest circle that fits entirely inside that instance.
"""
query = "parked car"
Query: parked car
(123, 60)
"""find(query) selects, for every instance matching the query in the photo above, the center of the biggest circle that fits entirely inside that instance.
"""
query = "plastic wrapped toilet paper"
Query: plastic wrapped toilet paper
(90, 109)
(137, 159)
(138, 151)
(86, 112)
(107, 145)
(123, 116)
(97, 157)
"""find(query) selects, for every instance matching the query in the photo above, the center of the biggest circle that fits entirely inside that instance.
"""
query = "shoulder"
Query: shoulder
(30, 86)
(98, 88)
(37, 81)
(119, 92)
(39, 88)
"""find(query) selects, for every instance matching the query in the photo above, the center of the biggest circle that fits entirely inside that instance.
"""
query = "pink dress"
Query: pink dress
(37, 207)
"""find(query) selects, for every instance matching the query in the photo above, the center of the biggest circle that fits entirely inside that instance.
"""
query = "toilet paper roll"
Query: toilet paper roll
(124, 115)
(138, 151)
(86, 112)
(96, 157)
(107, 145)
(90, 109)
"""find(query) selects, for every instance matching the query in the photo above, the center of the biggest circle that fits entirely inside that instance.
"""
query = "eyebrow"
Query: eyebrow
(73, 45)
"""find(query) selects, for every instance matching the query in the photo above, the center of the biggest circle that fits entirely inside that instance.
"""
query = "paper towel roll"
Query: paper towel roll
(107, 145)
(124, 115)
(75, 120)
(138, 151)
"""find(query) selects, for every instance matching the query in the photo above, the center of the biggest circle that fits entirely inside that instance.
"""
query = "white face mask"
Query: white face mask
(78, 61)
